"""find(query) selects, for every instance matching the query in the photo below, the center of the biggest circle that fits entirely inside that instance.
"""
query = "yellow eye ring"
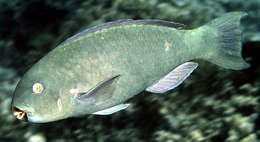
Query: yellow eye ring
(37, 88)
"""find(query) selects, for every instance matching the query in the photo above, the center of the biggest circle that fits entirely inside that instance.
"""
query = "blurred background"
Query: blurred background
(213, 105)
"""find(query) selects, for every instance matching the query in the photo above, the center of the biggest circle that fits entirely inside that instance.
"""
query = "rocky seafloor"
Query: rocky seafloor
(212, 105)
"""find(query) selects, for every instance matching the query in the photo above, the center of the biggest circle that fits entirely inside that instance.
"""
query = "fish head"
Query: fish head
(39, 98)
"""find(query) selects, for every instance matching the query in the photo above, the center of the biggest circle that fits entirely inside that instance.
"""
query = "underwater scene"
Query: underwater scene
(129, 71)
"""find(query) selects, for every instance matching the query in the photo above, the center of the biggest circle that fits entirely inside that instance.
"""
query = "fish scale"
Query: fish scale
(153, 63)
(136, 42)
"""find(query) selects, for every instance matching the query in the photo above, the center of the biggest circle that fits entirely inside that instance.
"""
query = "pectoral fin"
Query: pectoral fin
(112, 109)
(174, 78)
(101, 92)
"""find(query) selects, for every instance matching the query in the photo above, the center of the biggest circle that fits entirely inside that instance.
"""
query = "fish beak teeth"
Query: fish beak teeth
(20, 114)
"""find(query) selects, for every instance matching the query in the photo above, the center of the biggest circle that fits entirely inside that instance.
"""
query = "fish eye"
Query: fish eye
(37, 88)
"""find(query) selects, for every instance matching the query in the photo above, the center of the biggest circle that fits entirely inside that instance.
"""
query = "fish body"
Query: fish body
(98, 69)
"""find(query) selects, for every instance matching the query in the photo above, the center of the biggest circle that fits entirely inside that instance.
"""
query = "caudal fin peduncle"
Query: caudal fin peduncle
(226, 52)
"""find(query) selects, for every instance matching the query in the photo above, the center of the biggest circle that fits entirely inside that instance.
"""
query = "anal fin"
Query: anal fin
(173, 79)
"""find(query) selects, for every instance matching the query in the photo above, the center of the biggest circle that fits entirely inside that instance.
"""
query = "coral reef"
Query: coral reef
(212, 105)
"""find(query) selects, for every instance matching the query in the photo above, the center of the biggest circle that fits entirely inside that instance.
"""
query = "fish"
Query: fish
(97, 70)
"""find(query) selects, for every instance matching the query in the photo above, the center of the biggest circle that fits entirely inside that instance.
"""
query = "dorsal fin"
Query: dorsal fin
(160, 23)
(125, 22)
(96, 28)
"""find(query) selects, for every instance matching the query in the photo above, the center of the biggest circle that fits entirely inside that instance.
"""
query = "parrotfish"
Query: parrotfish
(98, 69)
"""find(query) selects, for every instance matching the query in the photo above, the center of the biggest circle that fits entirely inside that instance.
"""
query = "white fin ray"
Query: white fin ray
(112, 109)
(173, 79)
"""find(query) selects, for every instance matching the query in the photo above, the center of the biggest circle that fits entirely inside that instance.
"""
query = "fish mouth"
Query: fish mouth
(20, 114)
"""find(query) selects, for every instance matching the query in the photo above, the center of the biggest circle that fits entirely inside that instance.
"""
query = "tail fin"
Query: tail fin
(227, 52)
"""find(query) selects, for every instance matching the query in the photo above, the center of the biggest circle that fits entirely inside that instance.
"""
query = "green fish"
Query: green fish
(97, 70)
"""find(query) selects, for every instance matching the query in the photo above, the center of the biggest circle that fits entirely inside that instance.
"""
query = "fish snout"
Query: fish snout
(20, 114)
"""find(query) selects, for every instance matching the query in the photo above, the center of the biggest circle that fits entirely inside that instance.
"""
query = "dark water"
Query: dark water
(213, 105)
